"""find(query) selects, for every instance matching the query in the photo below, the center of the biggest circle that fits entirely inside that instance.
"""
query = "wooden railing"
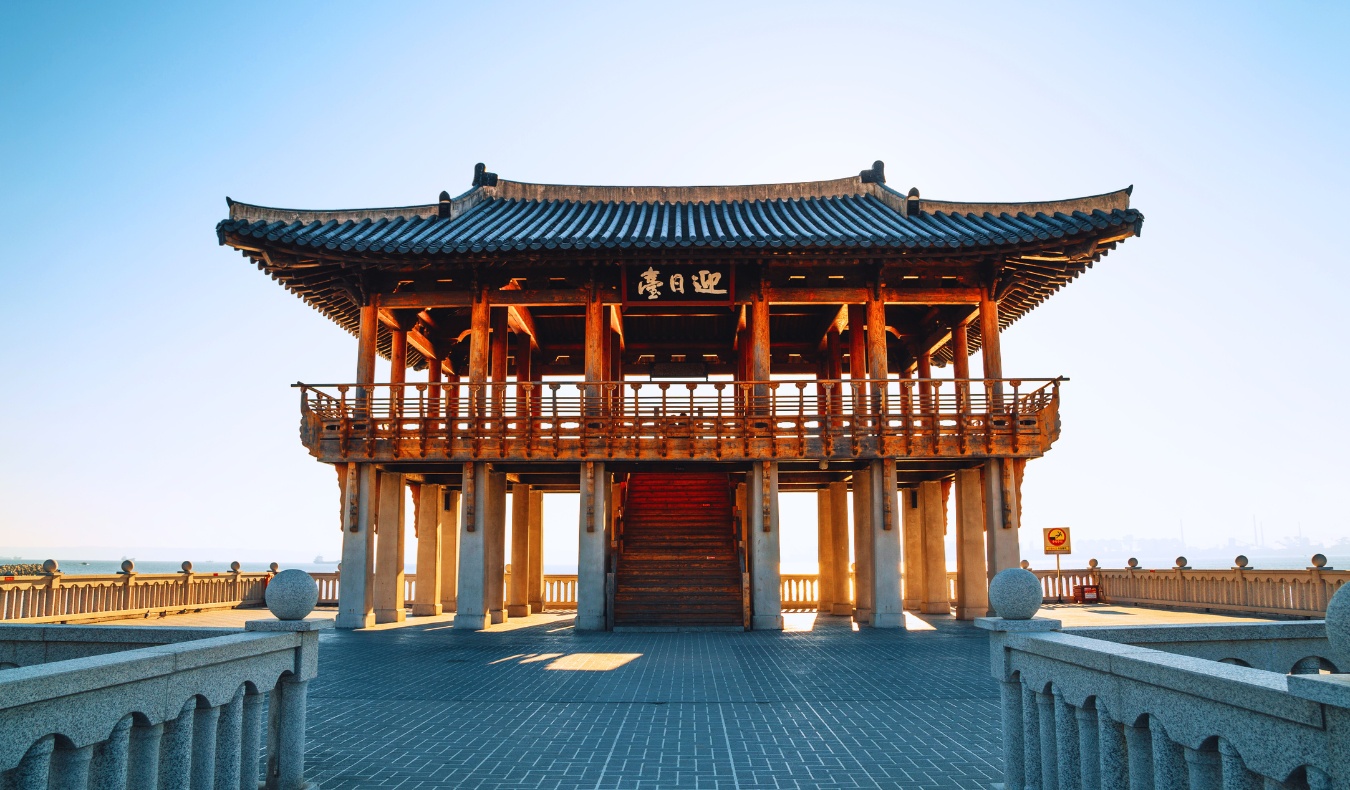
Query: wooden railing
(717, 420)
(58, 598)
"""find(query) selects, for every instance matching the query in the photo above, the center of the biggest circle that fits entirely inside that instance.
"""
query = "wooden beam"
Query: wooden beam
(519, 319)
(859, 295)
(616, 324)
(521, 298)
(837, 322)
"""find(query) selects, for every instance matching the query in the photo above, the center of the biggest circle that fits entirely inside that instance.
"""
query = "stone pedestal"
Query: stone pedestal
(592, 548)
(972, 585)
(517, 601)
(766, 586)
(355, 594)
(495, 524)
(862, 546)
(427, 524)
(471, 612)
(936, 598)
(389, 547)
(886, 608)
(843, 597)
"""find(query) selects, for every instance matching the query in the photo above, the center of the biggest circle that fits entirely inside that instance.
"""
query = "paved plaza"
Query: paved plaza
(541, 706)
(533, 704)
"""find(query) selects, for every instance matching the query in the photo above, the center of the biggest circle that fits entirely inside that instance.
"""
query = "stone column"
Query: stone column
(972, 584)
(447, 517)
(826, 583)
(843, 599)
(886, 609)
(517, 604)
(936, 599)
(1000, 516)
(862, 545)
(389, 549)
(427, 523)
(355, 594)
(766, 586)
(914, 554)
(535, 591)
(495, 525)
(471, 602)
(592, 548)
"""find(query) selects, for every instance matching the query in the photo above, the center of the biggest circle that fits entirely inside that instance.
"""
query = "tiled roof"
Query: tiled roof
(847, 213)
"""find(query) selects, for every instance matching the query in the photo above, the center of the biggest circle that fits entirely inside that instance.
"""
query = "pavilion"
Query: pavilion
(679, 356)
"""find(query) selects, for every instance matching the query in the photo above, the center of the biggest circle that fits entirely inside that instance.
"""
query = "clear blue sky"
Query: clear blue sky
(145, 400)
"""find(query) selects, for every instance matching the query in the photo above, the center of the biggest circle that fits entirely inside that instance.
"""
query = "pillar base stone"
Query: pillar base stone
(426, 609)
(766, 622)
(390, 615)
(888, 620)
(353, 621)
(497, 616)
(862, 616)
(842, 609)
(971, 614)
(518, 610)
(536, 606)
(589, 623)
(471, 622)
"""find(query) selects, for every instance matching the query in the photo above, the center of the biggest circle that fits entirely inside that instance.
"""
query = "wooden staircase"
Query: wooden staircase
(678, 562)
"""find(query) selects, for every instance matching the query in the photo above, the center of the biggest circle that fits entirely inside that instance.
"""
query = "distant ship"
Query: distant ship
(319, 560)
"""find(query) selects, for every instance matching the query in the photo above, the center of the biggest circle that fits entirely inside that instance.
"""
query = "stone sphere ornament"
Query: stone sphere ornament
(1132, 563)
(1240, 561)
(1015, 593)
(50, 566)
(235, 566)
(128, 566)
(1319, 560)
(291, 594)
(1338, 620)
(187, 566)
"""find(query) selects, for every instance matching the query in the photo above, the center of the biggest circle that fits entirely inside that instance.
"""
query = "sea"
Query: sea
(100, 567)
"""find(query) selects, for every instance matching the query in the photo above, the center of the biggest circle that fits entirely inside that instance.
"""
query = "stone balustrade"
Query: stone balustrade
(560, 589)
(101, 707)
(1199, 707)
(54, 597)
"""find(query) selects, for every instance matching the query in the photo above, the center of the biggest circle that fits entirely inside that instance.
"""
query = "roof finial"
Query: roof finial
(877, 175)
(912, 202)
(443, 210)
(481, 176)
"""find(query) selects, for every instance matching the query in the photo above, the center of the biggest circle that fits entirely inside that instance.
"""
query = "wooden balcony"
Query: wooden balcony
(702, 421)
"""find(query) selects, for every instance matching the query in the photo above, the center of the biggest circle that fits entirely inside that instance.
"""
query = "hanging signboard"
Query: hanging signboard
(683, 284)
(1057, 541)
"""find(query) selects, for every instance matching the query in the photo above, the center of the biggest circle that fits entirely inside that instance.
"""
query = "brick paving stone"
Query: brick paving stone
(540, 706)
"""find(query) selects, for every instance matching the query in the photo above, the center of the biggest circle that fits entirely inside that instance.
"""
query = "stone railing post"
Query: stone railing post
(175, 750)
(291, 596)
(70, 767)
(109, 768)
(1139, 751)
(1089, 760)
(1204, 769)
(1169, 766)
(1028, 721)
(143, 755)
(1112, 763)
(250, 738)
(1067, 748)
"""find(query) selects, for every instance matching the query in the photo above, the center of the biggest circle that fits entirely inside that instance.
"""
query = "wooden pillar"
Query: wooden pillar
(501, 349)
(972, 583)
(535, 592)
(596, 328)
(356, 591)
(862, 545)
(448, 518)
(471, 599)
(518, 599)
(760, 350)
(878, 365)
(495, 523)
(843, 598)
(989, 338)
(479, 342)
(961, 365)
(434, 387)
(764, 536)
(527, 399)
(826, 583)
(857, 354)
(427, 525)
(936, 598)
(911, 517)
(834, 357)
(389, 549)
(925, 370)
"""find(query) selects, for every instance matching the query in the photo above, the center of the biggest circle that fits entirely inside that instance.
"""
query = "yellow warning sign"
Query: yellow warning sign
(1057, 540)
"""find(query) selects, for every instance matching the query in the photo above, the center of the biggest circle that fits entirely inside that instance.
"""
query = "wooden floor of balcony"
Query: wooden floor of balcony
(696, 421)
